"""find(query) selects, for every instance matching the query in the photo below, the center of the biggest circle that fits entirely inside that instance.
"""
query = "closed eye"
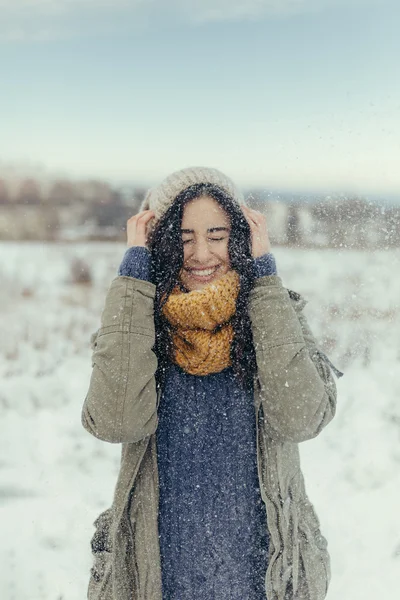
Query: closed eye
(209, 239)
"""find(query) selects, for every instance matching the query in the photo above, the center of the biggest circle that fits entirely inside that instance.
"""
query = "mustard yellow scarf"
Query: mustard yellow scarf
(202, 334)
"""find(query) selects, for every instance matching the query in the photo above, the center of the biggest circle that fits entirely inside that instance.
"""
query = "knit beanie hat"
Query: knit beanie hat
(161, 197)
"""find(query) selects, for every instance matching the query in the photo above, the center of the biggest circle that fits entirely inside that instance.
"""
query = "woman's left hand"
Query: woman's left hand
(260, 243)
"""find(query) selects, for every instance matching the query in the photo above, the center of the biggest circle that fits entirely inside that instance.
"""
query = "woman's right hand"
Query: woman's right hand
(136, 228)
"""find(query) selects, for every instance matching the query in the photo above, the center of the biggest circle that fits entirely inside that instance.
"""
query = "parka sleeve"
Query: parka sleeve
(296, 384)
(121, 403)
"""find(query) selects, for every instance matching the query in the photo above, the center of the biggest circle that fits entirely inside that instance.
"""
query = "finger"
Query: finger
(141, 214)
(251, 220)
(253, 226)
(248, 210)
(145, 217)
(146, 214)
(142, 222)
(256, 216)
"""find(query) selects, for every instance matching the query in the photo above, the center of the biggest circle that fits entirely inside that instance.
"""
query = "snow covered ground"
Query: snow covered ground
(55, 478)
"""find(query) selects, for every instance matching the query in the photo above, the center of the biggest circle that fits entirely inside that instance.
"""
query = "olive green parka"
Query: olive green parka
(294, 399)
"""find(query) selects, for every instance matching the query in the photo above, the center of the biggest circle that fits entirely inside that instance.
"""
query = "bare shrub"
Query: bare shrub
(27, 292)
(80, 272)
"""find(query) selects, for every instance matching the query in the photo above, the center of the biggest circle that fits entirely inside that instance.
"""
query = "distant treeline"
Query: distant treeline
(93, 209)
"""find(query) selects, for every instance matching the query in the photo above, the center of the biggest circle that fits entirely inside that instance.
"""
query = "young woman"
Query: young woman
(206, 371)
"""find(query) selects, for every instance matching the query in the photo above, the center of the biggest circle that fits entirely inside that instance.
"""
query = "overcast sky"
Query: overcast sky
(290, 94)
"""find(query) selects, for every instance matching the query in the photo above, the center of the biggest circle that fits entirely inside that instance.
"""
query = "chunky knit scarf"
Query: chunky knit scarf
(202, 334)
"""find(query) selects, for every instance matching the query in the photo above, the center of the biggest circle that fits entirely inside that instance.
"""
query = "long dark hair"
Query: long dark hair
(166, 247)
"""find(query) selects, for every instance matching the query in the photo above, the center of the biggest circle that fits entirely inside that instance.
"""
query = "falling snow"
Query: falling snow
(55, 478)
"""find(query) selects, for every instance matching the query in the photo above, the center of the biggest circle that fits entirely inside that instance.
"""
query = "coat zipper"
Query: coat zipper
(125, 515)
(277, 508)
(266, 496)
(135, 583)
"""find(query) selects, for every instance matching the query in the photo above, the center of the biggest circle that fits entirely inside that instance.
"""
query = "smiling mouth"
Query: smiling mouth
(202, 272)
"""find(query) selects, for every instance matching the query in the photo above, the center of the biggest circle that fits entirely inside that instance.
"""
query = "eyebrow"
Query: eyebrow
(211, 230)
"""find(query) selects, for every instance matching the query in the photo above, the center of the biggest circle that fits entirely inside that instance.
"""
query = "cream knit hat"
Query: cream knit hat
(162, 196)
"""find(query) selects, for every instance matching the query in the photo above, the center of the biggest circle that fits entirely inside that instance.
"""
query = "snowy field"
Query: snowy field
(55, 478)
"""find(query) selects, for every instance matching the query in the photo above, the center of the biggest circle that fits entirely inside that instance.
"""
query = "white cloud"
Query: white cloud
(196, 8)
(211, 10)
(46, 20)
(51, 6)
(59, 9)
(21, 34)
(41, 19)
(223, 10)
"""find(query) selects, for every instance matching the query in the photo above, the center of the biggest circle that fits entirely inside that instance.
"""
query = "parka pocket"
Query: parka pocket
(101, 546)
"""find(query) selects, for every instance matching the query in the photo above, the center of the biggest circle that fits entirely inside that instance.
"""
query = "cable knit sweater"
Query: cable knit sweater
(212, 522)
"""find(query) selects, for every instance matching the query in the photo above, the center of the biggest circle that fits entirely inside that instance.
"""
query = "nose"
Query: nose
(201, 251)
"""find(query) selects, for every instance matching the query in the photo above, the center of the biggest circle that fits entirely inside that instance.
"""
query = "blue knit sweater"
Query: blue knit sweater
(212, 520)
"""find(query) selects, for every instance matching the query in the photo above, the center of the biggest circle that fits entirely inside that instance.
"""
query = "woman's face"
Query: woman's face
(205, 232)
